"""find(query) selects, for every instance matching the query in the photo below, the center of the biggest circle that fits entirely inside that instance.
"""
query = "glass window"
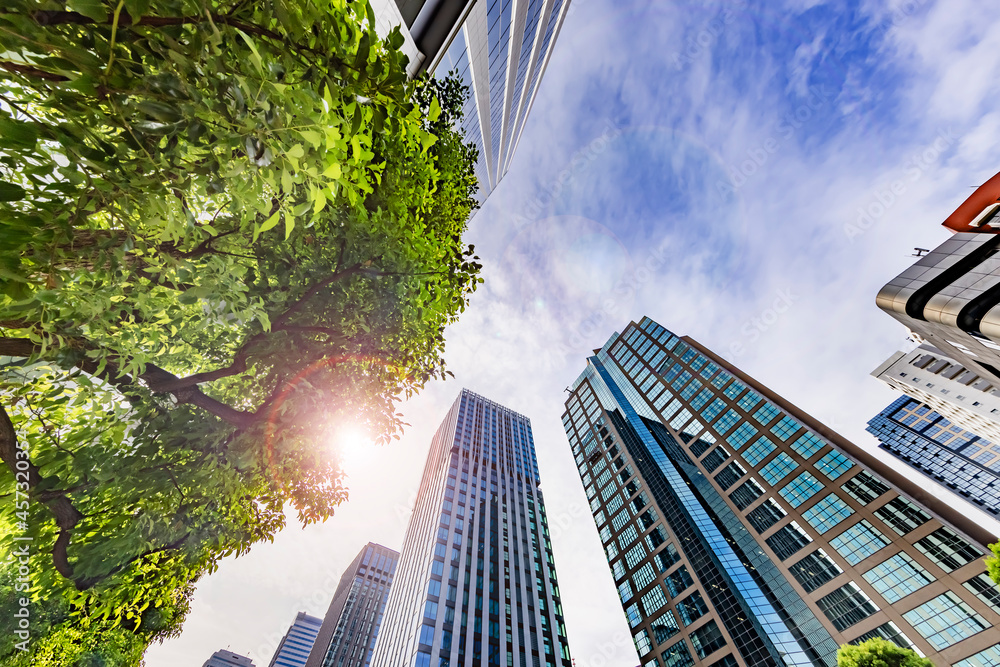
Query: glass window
(778, 468)
(713, 410)
(766, 515)
(827, 513)
(785, 428)
(654, 600)
(682, 418)
(707, 639)
(807, 444)
(664, 627)
(430, 609)
(766, 413)
(735, 389)
(741, 435)
(727, 421)
(758, 451)
(859, 542)
(787, 540)
(901, 515)
(643, 577)
(625, 591)
(986, 589)
(716, 458)
(678, 581)
(427, 634)
(668, 557)
(947, 549)
(655, 538)
(690, 390)
(691, 608)
(846, 606)
(728, 661)
(642, 643)
(814, 570)
(889, 632)
(988, 658)
(635, 555)
(945, 620)
(677, 656)
(833, 464)
(864, 487)
(746, 493)
(801, 489)
(632, 614)
(730, 475)
(628, 536)
(701, 399)
(749, 401)
(897, 577)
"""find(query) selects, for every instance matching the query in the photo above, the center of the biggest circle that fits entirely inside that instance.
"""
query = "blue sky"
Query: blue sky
(706, 164)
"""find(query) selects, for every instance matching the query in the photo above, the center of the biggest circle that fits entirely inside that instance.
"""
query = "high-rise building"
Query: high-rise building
(352, 622)
(477, 582)
(297, 643)
(950, 298)
(741, 532)
(225, 658)
(500, 50)
(960, 460)
(946, 386)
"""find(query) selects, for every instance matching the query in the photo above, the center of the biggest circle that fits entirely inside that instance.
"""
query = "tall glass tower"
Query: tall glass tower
(958, 459)
(740, 531)
(297, 642)
(476, 585)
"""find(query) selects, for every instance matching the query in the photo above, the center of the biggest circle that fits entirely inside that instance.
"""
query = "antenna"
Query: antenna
(919, 252)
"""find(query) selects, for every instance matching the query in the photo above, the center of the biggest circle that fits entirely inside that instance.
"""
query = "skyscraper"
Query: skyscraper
(741, 532)
(477, 582)
(352, 622)
(500, 50)
(960, 460)
(947, 387)
(297, 642)
(225, 658)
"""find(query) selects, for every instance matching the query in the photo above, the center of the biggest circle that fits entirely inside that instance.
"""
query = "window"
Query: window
(654, 600)
(787, 540)
(985, 589)
(691, 608)
(749, 401)
(635, 555)
(807, 444)
(430, 609)
(814, 570)
(846, 606)
(643, 577)
(778, 468)
(728, 661)
(758, 451)
(701, 399)
(988, 658)
(730, 475)
(897, 577)
(427, 634)
(901, 515)
(833, 464)
(735, 389)
(801, 489)
(766, 413)
(721, 379)
(682, 418)
(766, 515)
(864, 487)
(827, 513)
(785, 428)
(716, 458)
(678, 581)
(945, 620)
(625, 591)
(668, 557)
(707, 639)
(741, 435)
(727, 421)
(655, 538)
(746, 493)
(889, 632)
(713, 410)
(947, 549)
(859, 542)
(677, 656)
(632, 613)
(664, 627)
(701, 445)
(642, 644)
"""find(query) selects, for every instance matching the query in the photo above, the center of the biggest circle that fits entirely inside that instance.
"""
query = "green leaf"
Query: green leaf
(92, 9)
(11, 192)
(17, 134)
(435, 110)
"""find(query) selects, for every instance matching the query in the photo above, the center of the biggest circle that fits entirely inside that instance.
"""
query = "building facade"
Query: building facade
(742, 532)
(477, 582)
(225, 658)
(297, 643)
(499, 50)
(958, 459)
(947, 387)
(351, 625)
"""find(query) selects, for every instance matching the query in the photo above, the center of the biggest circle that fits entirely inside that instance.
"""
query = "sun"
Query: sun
(354, 448)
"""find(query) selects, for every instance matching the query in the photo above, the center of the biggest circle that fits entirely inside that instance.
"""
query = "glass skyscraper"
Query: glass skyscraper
(477, 582)
(297, 642)
(960, 460)
(225, 658)
(351, 625)
(741, 532)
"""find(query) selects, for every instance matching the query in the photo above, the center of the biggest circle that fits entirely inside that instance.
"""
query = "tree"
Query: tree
(878, 652)
(993, 563)
(230, 230)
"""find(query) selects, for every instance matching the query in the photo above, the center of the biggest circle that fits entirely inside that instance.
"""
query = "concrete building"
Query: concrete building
(942, 383)
(741, 532)
(351, 625)
(297, 643)
(477, 582)
(500, 50)
(223, 658)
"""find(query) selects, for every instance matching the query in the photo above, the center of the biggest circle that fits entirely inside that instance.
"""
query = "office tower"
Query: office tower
(225, 658)
(946, 386)
(352, 622)
(742, 532)
(960, 460)
(297, 643)
(950, 298)
(477, 582)
(500, 50)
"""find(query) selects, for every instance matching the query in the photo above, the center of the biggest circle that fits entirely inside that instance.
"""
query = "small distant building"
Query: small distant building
(223, 658)
(293, 651)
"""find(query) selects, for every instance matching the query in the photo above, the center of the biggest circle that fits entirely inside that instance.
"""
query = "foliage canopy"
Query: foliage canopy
(229, 229)
(878, 652)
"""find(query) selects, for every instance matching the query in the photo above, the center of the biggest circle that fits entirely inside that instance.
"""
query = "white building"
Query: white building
(225, 658)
